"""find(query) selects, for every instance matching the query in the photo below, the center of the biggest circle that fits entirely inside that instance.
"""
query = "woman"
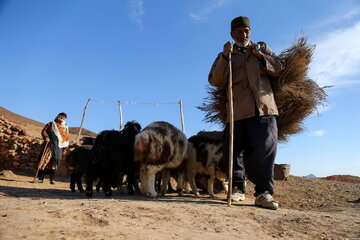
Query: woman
(56, 140)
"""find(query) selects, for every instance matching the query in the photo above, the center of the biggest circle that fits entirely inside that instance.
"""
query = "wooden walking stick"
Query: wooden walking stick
(82, 120)
(231, 135)
(41, 160)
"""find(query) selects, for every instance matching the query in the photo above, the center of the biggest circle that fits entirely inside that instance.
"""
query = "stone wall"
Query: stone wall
(281, 171)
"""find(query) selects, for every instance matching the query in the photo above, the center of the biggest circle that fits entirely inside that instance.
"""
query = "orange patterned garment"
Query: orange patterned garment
(63, 132)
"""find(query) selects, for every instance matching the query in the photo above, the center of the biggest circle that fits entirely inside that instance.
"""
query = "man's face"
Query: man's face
(241, 35)
(61, 118)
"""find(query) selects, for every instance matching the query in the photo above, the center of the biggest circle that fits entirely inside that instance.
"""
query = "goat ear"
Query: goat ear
(140, 144)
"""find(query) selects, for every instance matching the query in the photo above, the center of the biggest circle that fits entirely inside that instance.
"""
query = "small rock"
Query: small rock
(8, 174)
(8, 131)
(13, 147)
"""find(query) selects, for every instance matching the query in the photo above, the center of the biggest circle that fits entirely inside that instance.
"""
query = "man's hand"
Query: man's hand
(47, 139)
(256, 52)
(228, 47)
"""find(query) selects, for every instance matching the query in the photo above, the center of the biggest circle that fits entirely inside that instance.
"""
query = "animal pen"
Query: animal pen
(119, 103)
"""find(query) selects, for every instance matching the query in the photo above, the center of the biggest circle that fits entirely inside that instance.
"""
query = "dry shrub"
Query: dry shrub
(214, 105)
(296, 95)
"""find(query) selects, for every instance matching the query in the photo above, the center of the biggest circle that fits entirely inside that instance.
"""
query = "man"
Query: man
(56, 138)
(255, 128)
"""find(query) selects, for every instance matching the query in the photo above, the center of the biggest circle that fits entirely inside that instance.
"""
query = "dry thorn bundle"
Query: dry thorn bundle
(296, 95)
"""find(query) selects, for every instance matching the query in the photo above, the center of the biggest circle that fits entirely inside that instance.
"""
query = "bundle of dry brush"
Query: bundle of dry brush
(296, 95)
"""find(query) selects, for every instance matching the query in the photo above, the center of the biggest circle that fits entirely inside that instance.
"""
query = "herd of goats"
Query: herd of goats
(148, 158)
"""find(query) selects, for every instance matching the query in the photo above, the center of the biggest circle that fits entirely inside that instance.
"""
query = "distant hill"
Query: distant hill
(75, 130)
(310, 176)
(21, 120)
(343, 178)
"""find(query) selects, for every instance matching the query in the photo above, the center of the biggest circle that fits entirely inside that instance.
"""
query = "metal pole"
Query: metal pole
(82, 120)
(182, 117)
(231, 140)
(121, 115)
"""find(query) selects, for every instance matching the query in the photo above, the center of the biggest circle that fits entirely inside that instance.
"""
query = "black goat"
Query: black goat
(113, 156)
(79, 161)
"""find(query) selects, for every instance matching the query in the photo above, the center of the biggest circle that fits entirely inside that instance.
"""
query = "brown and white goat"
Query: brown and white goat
(205, 158)
(160, 146)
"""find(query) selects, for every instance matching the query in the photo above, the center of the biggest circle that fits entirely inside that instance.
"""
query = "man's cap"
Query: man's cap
(62, 114)
(241, 21)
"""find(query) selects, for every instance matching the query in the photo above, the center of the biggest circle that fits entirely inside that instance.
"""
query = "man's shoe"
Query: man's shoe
(52, 182)
(265, 200)
(237, 195)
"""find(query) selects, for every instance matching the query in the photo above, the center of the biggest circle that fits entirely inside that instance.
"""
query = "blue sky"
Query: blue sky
(54, 55)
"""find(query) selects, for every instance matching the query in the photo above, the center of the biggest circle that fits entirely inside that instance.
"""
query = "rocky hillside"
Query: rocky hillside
(35, 126)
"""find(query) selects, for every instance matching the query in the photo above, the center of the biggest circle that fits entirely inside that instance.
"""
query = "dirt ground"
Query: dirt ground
(309, 209)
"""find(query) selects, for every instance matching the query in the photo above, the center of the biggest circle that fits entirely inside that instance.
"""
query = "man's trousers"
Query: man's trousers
(255, 144)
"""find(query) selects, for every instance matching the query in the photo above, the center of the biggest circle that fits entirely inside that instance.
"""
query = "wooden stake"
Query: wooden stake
(82, 120)
(231, 135)
(182, 117)
(121, 115)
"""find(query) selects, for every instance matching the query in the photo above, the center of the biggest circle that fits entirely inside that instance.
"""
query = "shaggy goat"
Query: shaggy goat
(113, 157)
(205, 158)
(79, 161)
(159, 146)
